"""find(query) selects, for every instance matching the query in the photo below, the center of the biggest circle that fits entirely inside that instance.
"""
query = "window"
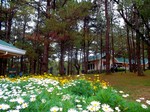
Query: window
(91, 66)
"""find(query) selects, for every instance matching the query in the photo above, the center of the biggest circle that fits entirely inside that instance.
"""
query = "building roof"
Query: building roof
(96, 57)
(119, 60)
(8, 50)
(122, 60)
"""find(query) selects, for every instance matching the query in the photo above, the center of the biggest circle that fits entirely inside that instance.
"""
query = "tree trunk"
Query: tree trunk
(143, 55)
(71, 61)
(125, 64)
(112, 44)
(5, 66)
(107, 50)
(138, 54)
(35, 67)
(148, 52)
(138, 48)
(1, 17)
(133, 51)
(6, 28)
(38, 65)
(32, 67)
(129, 48)
(22, 57)
(2, 66)
(62, 69)
(101, 52)
(85, 45)
(45, 57)
(76, 63)
(21, 64)
(85, 60)
(8, 25)
(68, 65)
(87, 55)
(44, 67)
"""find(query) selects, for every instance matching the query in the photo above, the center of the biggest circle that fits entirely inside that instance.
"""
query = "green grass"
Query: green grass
(136, 86)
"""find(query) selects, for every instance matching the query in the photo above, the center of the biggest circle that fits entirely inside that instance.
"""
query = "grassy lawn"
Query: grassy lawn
(130, 83)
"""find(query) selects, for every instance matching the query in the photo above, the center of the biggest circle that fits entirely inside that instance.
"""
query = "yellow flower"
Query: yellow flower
(94, 87)
(0, 106)
(104, 84)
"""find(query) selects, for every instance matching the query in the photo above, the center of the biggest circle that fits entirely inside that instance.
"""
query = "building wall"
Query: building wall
(96, 65)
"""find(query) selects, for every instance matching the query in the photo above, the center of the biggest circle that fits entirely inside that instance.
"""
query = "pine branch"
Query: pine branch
(144, 38)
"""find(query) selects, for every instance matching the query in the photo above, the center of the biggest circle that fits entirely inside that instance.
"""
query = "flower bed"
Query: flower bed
(38, 94)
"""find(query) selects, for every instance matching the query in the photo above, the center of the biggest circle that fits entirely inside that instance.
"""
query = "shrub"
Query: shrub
(44, 95)
(80, 88)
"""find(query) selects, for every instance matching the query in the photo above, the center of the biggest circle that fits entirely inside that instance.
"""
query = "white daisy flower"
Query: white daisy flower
(144, 106)
(79, 106)
(148, 102)
(104, 87)
(12, 100)
(24, 105)
(77, 101)
(142, 98)
(95, 103)
(13, 111)
(50, 89)
(32, 99)
(90, 108)
(54, 109)
(60, 109)
(125, 95)
(107, 108)
(66, 97)
(84, 111)
(20, 100)
(117, 109)
(121, 92)
(72, 110)
(18, 107)
(138, 100)
(43, 101)
(80, 109)
(4, 106)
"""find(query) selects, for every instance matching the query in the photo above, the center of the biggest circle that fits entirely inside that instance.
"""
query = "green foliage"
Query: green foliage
(80, 88)
(64, 19)
(108, 96)
(31, 53)
(144, 7)
(49, 94)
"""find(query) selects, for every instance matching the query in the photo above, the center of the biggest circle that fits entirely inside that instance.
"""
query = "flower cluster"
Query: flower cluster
(144, 103)
(51, 95)
(123, 94)
(18, 94)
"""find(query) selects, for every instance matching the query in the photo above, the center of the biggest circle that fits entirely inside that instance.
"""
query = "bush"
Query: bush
(81, 88)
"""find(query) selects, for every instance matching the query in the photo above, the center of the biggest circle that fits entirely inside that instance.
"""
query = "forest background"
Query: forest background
(71, 30)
